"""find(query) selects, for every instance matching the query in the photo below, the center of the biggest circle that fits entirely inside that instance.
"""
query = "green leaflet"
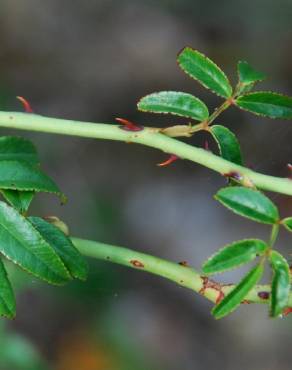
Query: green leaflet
(63, 246)
(202, 69)
(18, 149)
(21, 243)
(23, 176)
(18, 199)
(247, 75)
(280, 283)
(287, 223)
(234, 255)
(266, 104)
(174, 102)
(228, 144)
(232, 300)
(7, 299)
(249, 203)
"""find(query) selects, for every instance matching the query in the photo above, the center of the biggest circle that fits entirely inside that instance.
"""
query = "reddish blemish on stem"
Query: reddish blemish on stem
(128, 125)
(183, 263)
(25, 104)
(210, 284)
(206, 146)
(264, 295)
(246, 301)
(137, 263)
(233, 175)
(170, 160)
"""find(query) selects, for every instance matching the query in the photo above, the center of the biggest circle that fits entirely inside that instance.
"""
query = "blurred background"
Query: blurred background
(93, 60)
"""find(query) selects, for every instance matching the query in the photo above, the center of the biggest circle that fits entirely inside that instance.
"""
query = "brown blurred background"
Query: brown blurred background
(92, 60)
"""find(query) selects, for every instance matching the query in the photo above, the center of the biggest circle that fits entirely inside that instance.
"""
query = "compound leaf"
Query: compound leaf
(280, 283)
(228, 144)
(202, 69)
(268, 104)
(249, 203)
(63, 246)
(174, 102)
(21, 243)
(232, 300)
(234, 255)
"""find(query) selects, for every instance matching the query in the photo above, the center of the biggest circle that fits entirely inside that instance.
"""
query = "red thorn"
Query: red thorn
(233, 175)
(287, 311)
(290, 170)
(128, 125)
(171, 159)
(206, 146)
(25, 104)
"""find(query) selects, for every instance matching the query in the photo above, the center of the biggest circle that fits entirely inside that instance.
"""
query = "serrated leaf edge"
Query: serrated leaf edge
(238, 213)
(261, 114)
(175, 114)
(200, 82)
(226, 246)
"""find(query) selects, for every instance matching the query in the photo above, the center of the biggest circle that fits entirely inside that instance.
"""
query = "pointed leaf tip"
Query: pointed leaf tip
(232, 300)
(174, 102)
(247, 75)
(205, 71)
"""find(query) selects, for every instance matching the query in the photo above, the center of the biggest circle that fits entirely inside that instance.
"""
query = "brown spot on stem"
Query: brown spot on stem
(211, 284)
(233, 175)
(183, 263)
(264, 295)
(137, 263)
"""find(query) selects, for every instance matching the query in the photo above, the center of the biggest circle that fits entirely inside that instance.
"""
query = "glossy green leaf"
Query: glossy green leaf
(232, 300)
(234, 255)
(228, 144)
(63, 246)
(23, 176)
(249, 203)
(280, 283)
(21, 243)
(202, 69)
(266, 104)
(247, 75)
(287, 223)
(174, 102)
(18, 199)
(17, 149)
(7, 299)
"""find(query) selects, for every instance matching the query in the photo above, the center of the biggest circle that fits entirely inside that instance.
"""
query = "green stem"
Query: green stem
(149, 137)
(182, 275)
(274, 234)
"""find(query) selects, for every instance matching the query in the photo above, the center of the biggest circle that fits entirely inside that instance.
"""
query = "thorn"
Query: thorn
(233, 175)
(25, 104)
(183, 263)
(206, 146)
(128, 125)
(289, 166)
(171, 159)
